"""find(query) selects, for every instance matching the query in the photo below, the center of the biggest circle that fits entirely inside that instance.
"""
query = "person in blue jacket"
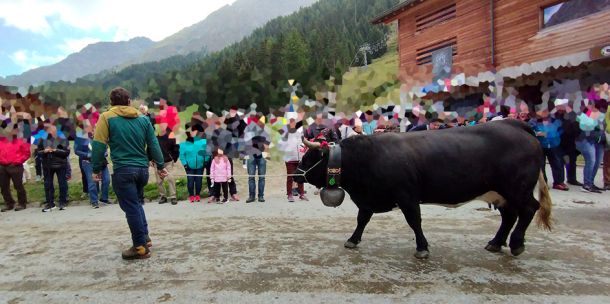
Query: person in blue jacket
(548, 131)
(82, 148)
(193, 157)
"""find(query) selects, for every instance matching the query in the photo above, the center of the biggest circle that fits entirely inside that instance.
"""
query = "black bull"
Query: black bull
(451, 166)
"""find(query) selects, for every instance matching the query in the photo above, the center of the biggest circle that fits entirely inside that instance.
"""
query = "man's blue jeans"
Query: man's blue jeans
(50, 188)
(92, 186)
(128, 184)
(252, 164)
(593, 154)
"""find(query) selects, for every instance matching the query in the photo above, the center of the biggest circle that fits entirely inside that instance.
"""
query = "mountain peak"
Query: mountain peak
(94, 58)
(225, 26)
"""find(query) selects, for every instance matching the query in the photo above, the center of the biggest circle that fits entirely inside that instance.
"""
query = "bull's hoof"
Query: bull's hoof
(493, 248)
(350, 245)
(517, 251)
(423, 254)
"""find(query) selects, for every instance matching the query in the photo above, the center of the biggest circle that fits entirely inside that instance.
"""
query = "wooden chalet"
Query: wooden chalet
(509, 50)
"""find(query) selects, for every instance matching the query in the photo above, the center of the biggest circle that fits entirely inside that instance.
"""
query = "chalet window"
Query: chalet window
(424, 55)
(567, 10)
(439, 16)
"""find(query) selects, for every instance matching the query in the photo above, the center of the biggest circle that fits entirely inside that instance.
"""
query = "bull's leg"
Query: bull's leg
(526, 214)
(364, 217)
(412, 213)
(509, 217)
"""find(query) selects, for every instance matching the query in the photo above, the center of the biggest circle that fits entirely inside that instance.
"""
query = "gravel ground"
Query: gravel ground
(279, 252)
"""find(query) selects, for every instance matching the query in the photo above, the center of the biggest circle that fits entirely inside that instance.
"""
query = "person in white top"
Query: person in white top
(291, 145)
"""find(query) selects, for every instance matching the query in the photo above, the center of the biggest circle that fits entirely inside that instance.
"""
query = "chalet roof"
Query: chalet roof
(391, 14)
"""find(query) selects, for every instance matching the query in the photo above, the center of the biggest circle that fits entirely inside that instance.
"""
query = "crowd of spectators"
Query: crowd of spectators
(209, 146)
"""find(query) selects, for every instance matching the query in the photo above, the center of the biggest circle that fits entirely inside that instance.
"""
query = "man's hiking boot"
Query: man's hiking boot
(163, 200)
(136, 253)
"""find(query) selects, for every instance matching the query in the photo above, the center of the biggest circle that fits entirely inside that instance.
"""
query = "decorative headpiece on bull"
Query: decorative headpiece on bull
(323, 168)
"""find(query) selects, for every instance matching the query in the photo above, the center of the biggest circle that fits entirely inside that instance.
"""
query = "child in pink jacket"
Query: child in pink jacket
(220, 172)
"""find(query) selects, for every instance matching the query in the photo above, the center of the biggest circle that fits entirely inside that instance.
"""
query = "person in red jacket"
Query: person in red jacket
(14, 151)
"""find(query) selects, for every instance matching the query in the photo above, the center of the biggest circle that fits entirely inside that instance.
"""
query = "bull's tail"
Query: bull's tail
(543, 218)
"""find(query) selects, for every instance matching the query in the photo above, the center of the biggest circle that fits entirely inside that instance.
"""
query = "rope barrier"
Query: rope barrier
(252, 175)
(240, 175)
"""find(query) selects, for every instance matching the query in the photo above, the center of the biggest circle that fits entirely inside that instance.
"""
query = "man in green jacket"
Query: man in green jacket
(128, 135)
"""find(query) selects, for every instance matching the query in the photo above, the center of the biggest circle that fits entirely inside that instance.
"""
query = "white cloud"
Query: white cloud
(27, 15)
(155, 19)
(32, 59)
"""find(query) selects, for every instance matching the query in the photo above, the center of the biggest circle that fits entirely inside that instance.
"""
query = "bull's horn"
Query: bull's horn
(311, 145)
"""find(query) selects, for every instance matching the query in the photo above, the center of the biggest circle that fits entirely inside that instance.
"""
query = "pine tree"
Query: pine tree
(295, 54)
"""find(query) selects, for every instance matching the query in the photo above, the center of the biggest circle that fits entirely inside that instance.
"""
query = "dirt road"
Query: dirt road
(277, 252)
(280, 252)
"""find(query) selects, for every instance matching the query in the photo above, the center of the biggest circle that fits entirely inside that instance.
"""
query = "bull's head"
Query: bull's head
(313, 164)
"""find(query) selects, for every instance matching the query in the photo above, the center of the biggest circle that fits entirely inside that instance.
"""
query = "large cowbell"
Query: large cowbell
(332, 197)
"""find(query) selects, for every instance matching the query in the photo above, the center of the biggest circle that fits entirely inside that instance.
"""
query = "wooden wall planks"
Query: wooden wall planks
(518, 36)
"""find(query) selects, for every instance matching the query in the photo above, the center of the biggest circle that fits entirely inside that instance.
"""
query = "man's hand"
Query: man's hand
(163, 173)
(97, 177)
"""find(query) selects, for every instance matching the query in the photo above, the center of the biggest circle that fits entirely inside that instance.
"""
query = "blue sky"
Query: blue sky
(36, 33)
